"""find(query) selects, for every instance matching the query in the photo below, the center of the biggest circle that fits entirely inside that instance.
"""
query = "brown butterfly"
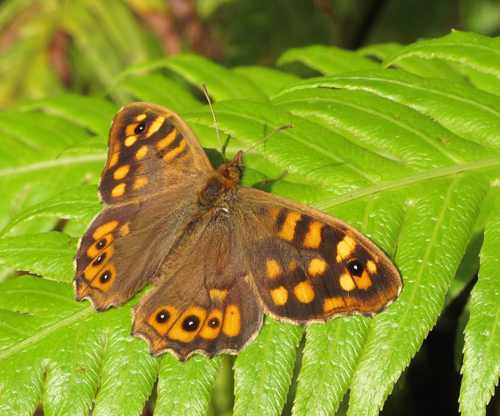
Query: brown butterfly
(219, 254)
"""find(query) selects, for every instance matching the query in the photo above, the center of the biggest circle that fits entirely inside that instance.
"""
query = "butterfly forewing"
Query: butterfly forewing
(148, 147)
(310, 267)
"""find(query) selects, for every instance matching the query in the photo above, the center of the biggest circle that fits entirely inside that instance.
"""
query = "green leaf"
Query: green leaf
(269, 80)
(481, 366)
(184, 387)
(69, 354)
(327, 60)
(440, 221)
(427, 96)
(469, 49)
(47, 254)
(77, 203)
(330, 356)
(159, 90)
(263, 371)
(45, 167)
(222, 83)
(92, 113)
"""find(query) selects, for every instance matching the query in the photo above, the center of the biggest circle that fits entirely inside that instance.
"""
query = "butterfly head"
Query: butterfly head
(232, 170)
(222, 182)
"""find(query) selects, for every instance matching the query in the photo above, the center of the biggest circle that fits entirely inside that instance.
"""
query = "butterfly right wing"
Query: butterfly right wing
(155, 166)
(308, 266)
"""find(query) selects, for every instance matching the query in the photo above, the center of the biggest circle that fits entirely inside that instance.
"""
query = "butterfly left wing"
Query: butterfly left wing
(204, 301)
(308, 266)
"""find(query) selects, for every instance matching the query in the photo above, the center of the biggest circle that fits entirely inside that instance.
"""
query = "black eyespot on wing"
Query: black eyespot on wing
(99, 259)
(355, 267)
(105, 277)
(140, 128)
(191, 323)
(162, 316)
(101, 244)
(214, 323)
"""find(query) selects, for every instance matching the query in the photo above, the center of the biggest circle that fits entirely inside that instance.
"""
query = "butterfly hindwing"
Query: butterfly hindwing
(203, 304)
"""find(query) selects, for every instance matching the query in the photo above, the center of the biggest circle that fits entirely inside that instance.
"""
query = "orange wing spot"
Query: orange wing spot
(106, 277)
(313, 236)
(124, 229)
(130, 140)
(169, 138)
(121, 172)
(130, 130)
(140, 117)
(143, 150)
(118, 190)
(212, 326)
(288, 229)
(333, 304)
(155, 126)
(174, 152)
(363, 281)
(371, 267)
(169, 315)
(304, 292)
(104, 229)
(273, 269)
(184, 332)
(279, 296)
(140, 182)
(113, 159)
(317, 267)
(232, 321)
(218, 295)
(345, 248)
(97, 247)
(346, 282)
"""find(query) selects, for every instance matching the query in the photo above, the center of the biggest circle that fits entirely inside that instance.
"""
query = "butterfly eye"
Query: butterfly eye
(140, 128)
(162, 317)
(355, 267)
(191, 323)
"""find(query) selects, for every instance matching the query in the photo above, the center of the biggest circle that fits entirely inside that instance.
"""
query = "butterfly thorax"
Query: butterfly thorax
(219, 191)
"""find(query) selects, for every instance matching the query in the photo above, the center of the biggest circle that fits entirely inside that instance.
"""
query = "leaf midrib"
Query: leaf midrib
(46, 332)
(49, 164)
(372, 387)
(409, 180)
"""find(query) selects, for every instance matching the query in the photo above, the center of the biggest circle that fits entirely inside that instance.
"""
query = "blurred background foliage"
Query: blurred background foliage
(52, 46)
(49, 47)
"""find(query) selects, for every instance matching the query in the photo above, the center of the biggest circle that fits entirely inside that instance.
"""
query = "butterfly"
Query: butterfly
(219, 255)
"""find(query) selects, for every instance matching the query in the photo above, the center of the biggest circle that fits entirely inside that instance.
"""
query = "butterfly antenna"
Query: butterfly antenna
(215, 120)
(288, 126)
